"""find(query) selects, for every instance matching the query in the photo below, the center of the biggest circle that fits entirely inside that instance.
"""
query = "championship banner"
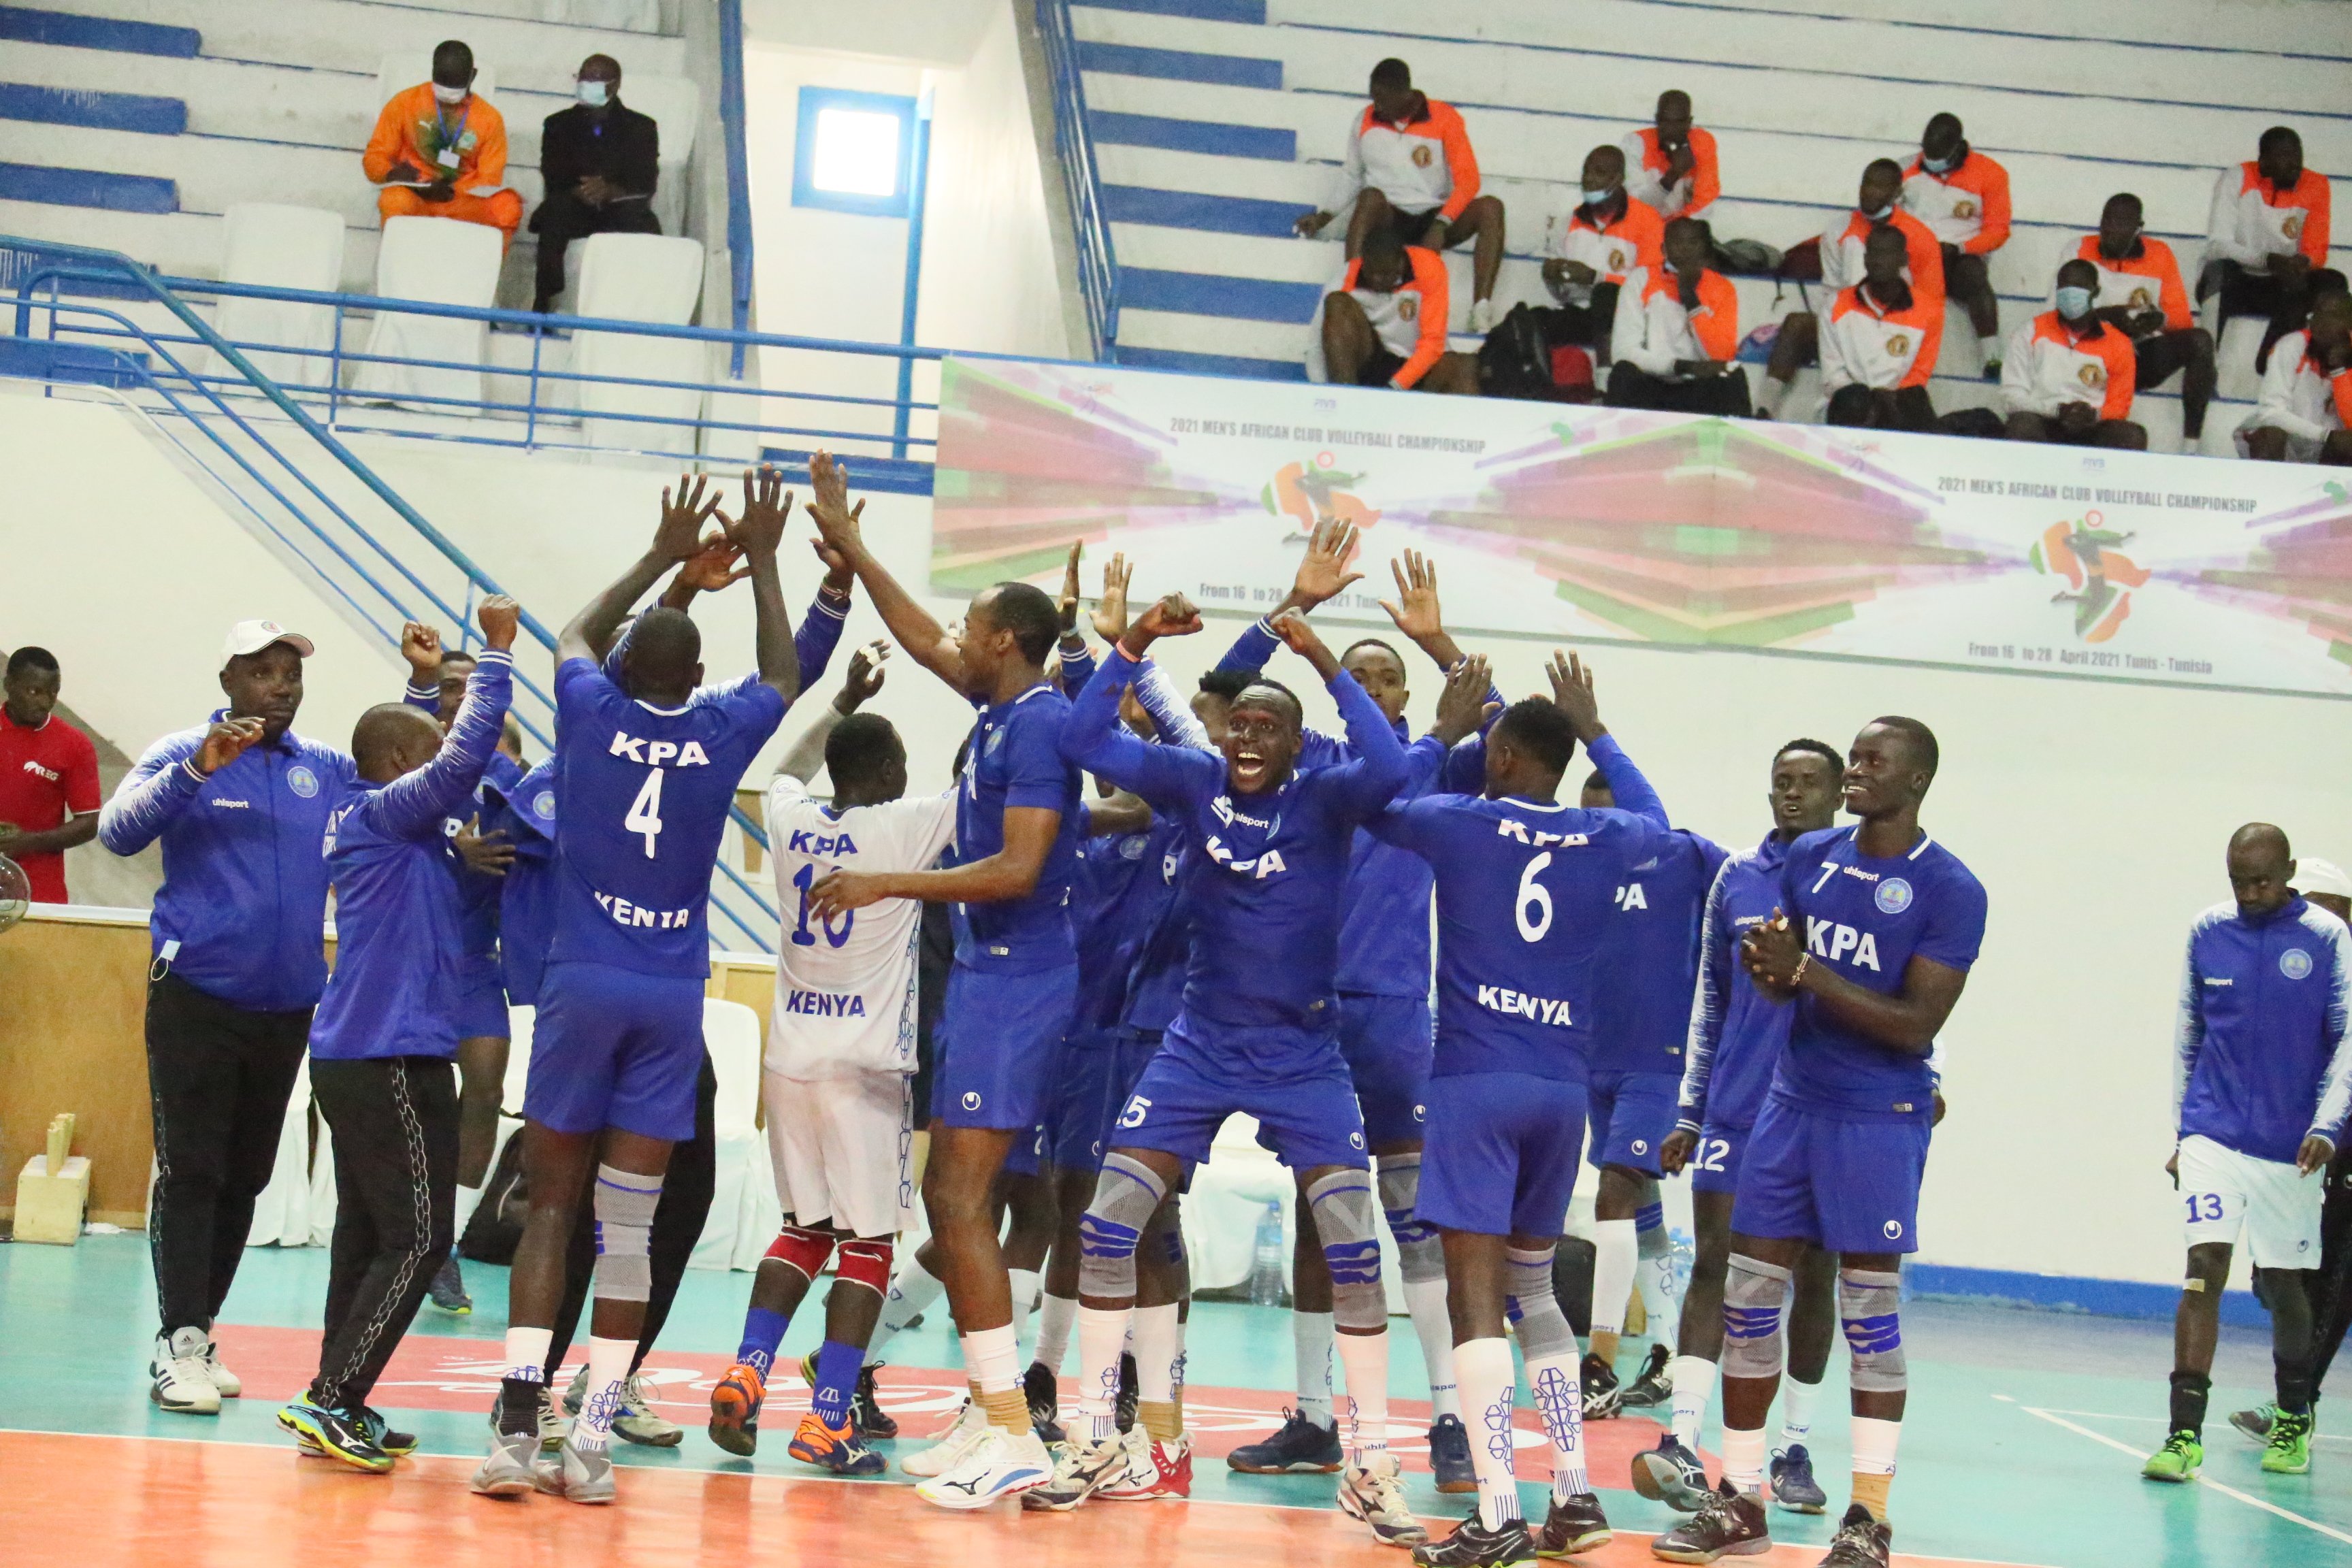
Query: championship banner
(1570, 522)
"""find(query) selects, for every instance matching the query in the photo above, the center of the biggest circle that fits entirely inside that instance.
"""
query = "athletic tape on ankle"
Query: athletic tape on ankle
(1868, 1303)
(1754, 1293)
(1343, 1205)
(624, 1204)
(1532, 1307)
(1421, 1257)
(1127, 1195)
(866, 1263)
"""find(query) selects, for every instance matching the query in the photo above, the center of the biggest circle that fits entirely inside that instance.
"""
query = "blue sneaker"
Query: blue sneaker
(333, 1434)
(1794, 1488)
(1301, 1448)
(837, 1448)
(1449, 1454)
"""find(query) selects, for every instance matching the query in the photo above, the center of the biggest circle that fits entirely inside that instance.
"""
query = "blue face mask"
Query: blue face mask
(593, 93)
(1938, 166)
(2073, 303)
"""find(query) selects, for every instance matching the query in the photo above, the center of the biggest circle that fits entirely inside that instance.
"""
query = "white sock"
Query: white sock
(1796, 1414)
(1616, 1250)
(992, 1360)
(911, 1294)
(1560, 1400)
(1310, 1343)
(1056, 1317)
(1364, 1362)
(1158, 1344)
(1694, 1380)
(1875, 1443)
(1653, 1276)
(527, 1353)
(1490, 1385)
(1425, 1299)
(1102, 1336)
(1023, 1283)
(1768, 394)
(608, 1370)
(469, 1200)
(1743, 1459)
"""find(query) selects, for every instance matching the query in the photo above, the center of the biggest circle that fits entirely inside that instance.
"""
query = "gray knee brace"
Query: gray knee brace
(1868, 1302)
(1755, 1294)
(624, 1204)
(1343, 1205)
(1533, 1309)
(1421, 1257)
(1127, 1195)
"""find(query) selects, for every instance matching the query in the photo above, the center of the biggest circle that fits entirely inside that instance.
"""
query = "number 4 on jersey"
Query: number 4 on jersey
(645, 812)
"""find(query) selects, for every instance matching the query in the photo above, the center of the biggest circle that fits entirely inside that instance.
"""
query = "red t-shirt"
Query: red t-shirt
(46, 773)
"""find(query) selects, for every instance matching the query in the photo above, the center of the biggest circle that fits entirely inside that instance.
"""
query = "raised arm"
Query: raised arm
(420, 646)
(677, 538)
(858, 685)
(761, 533)
(1170, 715)
(828, 614)
(1322, 576)
(911, 625)
(1571, 693)
(166, 779)
(1095, 741)
(1380, 768)
(417, 802)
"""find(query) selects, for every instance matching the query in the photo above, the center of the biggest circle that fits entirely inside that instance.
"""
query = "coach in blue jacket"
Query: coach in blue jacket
(241, 806)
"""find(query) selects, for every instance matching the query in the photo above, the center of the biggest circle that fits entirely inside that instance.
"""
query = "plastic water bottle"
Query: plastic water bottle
(1265, 1264)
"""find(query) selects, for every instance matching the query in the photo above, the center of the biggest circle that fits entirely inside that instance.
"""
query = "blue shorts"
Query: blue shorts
(1714, 1165)
(1027, 1156)
(612, 1047)
(1502, 1153)
(481, 999)
(1098, 1072)
(1632, 1114)
(1847, 1186)
(1308, 1118)
(1389, 1047)
(999, 1039)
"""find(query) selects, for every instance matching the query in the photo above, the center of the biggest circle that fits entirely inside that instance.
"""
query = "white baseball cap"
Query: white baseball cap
(2313, 874)
(252, 637)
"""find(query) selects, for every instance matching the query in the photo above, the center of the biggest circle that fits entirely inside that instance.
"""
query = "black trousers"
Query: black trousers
(1859, 406)
(678, 1219)
(2331, 1282)
(2286, 305)
(395, 1121)
(218, 1078)
(1725, 395)
(563, 217)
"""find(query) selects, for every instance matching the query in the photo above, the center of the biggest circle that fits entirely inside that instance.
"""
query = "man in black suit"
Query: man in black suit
(600, 162)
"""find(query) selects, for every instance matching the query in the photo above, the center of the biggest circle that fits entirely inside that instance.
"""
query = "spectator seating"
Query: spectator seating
(284, 247)
(675, 104)
(439, 263)
(639, 277)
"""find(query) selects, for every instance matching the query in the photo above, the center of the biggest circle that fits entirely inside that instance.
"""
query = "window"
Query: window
(853, 152)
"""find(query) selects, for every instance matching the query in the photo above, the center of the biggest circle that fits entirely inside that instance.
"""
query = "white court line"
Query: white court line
(2167, 1421)
(2207, 1481)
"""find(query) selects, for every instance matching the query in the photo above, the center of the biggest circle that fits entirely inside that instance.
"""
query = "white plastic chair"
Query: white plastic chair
(623, 16)
(743, 1209)
(441, 262)
(281, 1214)
(675, 104)
(639, 278)
(280, 247)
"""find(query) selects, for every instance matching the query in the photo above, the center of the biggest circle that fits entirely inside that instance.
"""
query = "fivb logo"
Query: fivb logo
(1832, 940)
(657, 753)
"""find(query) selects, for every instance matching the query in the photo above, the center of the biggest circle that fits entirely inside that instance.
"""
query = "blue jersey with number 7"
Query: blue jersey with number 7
(1525, 892)
(646, 792)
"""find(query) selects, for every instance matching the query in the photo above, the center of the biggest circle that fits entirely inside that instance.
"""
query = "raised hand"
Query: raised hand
(680, 533)
(420, 645)
(1110, 610)
(838, 573)
(488, 853)
(766, 504)
(1323, 574)
(1299, 638)
(225, 742)
(1415, 609)
(499, 617)
(713, 566)
(1068, 603)
(1172, 615)
(836, 521)
(863, 679)
(1462, 706)
(1571, 693)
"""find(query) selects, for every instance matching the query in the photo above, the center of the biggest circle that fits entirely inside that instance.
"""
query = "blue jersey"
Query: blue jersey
(1735, 1031)
(1649, 958)
(398, 913)
(1155, 985)
(2260, 1060)
(646, 792)
(1116, 898)
(1016, 763)
(1867, 919)
(525, 813)
(479, 896)
(1260, 879)
(1525, 892)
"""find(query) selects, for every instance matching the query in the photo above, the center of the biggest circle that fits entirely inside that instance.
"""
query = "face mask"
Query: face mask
(593, 93)
(1938, 166)
(2073, 303)
(1594, 198)
(450, 95)
(1880, 215)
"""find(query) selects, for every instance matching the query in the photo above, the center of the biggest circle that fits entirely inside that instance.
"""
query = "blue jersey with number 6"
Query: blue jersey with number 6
(1525, 892)
(646, 792)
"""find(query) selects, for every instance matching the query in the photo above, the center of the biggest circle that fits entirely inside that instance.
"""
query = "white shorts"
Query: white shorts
(841, 1148)
(2276, 1206)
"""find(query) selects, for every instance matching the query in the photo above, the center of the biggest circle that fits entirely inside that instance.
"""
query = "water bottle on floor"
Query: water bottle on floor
(1265, 1264)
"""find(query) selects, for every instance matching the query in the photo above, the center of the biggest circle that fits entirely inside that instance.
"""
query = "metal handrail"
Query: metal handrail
(732, 122)
(1074, 150)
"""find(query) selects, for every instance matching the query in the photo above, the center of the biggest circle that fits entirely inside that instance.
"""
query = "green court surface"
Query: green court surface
(2022, 1445)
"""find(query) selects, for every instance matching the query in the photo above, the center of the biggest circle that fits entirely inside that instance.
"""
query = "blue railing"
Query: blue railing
(1074, 150)
(738, 172)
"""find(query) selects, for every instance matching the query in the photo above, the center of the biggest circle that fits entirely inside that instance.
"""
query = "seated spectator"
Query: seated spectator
(1963, 198)
(1410, 171)
(1677, 329)
(1610, 235)
(440, 151)
(1876, 206)
(2307, 398)
(1385, 326)
(2069, 375)
(1879, 347)
(601, 160)
(1671, 167)
(2139, 284)
(48, 777)
(2266, 239)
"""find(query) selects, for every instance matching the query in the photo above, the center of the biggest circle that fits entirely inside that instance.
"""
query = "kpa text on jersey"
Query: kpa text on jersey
(1830, 940)
(657, 753)
(638, 918)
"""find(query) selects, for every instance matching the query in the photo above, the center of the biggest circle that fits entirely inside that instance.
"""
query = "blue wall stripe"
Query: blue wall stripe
(1202, 294)
(2066, 1292)
(898, 476)
(83, 106)
(1190, 209)
(88, 188)
(1205, 10)
(1236, 365)
(1194, 136)
(27, 25)
(1179, 65)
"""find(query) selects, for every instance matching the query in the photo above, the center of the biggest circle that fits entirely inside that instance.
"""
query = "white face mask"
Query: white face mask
(593, 93)
(450, 95)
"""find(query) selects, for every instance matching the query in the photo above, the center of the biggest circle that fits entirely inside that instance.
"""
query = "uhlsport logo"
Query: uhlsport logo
(2295, 963)
(302, 781)
(971, 1099)
(1355, 1140)
(1892, 1230)
(1893, 896)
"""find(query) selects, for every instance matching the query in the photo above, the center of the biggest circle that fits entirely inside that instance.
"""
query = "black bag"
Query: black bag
(1802, 262)
(1751, 259)
(1516, 359)
(496, 1228)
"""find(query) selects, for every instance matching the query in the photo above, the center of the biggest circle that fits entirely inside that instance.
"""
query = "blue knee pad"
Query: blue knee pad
(1755, 1294)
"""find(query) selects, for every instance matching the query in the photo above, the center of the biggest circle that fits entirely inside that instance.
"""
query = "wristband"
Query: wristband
(1804, 961)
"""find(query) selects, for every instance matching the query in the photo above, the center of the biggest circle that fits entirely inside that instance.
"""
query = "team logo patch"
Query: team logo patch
(2141, 299)
(971, 1099)
(2293, 226)
(1408, 308)
(542, 805)
(1616, 260)
(1892, 1229)
(2093, 375)
(1900, 343)
(1133, 849)
(1893, 896)
(301, 780)
(995, 743)
(1423, 157)
(1964, 209)
(2295, 963)
(1355, 1140)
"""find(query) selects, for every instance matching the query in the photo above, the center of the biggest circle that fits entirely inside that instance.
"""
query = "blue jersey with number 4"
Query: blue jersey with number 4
(646, 792)
(1867, 919)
